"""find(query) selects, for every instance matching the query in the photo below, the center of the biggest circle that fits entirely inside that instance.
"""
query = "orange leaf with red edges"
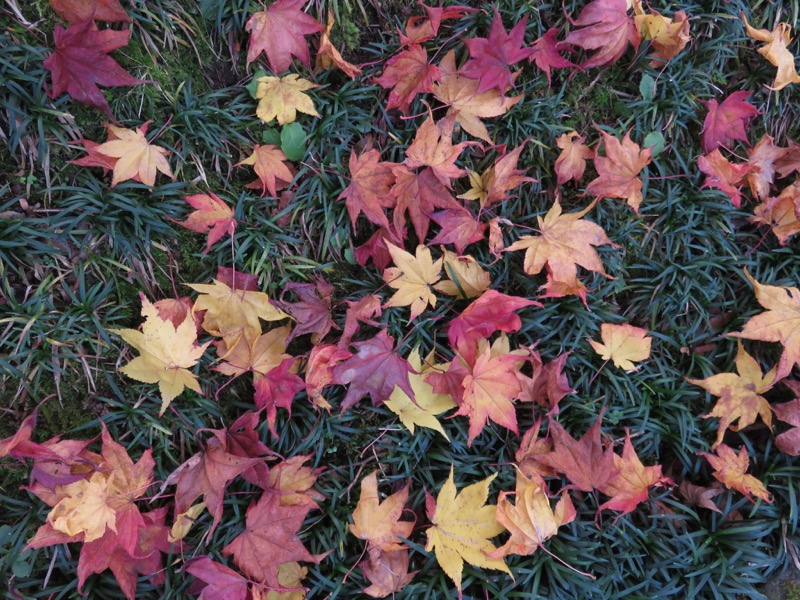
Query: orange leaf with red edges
(618, 171)
(730, 468)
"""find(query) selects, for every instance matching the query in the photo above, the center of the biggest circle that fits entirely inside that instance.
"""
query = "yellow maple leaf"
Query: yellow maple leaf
(290, 578)
(776, 51)
(412, 278)
(462, 526)
(261, 356)
(426, 405)
(231, 313)
(282, 97)
(136, 156)
(623, 344)
(739, 395)
(84, 508)
(184, 521)
(379, 522)
(466, 278)
(166, 353)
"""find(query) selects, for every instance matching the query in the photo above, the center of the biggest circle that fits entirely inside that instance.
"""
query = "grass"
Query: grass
(75, 254)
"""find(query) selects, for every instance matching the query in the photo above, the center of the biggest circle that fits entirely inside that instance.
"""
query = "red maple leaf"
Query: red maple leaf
(546, 54)
(359, 311)
(548, 384)
(459, 228)
(312, 312)
(408, 74)
(419, 195)
(723, 175)
(375, 248)
(279, 32)
(212, 216)
(368, 192)
(20, 445)
(421, 29)
(80, 63)
(375, 370)
(605, 26)
(75, 11)
(278, 389)
(222, 582)
(491, 56)
(270, 539)
(726, 122)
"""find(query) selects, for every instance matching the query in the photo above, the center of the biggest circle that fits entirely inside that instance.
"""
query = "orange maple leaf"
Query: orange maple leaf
(739, 395)
(618, 171)
(408, 74)
(762, 160)
(776, 51)
(730, 469)
(212, 216)
(379, 522)
(781, 213)
(780, 323)
(571, 163)
(269, 163)
(566, 241)
(136, 157)
(433, 147)
(328, 57)
(723, 175)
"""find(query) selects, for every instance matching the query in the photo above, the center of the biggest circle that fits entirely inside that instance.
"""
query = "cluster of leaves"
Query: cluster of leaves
(477, 365)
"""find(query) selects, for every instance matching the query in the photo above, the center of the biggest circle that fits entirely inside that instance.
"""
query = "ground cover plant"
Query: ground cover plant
(336, 298)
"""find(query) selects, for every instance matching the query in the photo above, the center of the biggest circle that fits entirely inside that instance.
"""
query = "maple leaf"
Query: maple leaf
(412, 278)
(361, 310)
(459, 228)
(571, 163)
(490, 388)
(566, 241)
(184, 521)
(370, 183)
(490, 57)
(462, 525)
(313, 311)
(781, 213)
(84, 509)
(465, 277)
(631, 480)
(75, 11)
(269, 163)
(789, 412)
(433, 147)
(667, 36)
(387, 572)
(776, 51)
(279, 32)
(278, 389)
(408, 74)
(223, 583)
(604, 26)
(328, 57)
(466, 105)
(136, 157)
(726, 122)
(761, 160)
(697, 495)
(270, 539)
(623, 344)
(419, 195)
(319, 371)
(293, 481)
(419, 30)
(212, 216)
(730, 469)
(723, 175)
(232, 313)
(80, 63)
(426, 404)
(586, 462)
(260, 356)
(618, 171)
(532, 521)
(375, 370)
(492, 311)
(546, 54)
(491, 187)
(780, 323)
(166, 354)
(208, 474)
(531, 447)
(20, 445)
(740, 396)
(281, 97)
(548, 383)
(379, 522)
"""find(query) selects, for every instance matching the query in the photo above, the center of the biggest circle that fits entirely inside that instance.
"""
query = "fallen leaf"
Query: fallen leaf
(465, 277)
(618, 171)
(730, 469)
(75, 11)
(433, 148)
(282, 97)
(418, 195)
(136, 157)
(723, 175)
(789, 441)
(727, 121)
(277, 389)
(668, 37)
(571, 163)
(492, 187)
(80, 63)
(359, 311)
(294, 481)
(407, 75)
(419, 30)
(490, 57)
(458, 227)
(259, 356)
(279, 31)
(697, 495)
(166, 354)
(313, 312)
(212, 216)
(379, 522)
(461, 526)
(387, 572)
(548, 383)
(776, 51)
(604, 26)
(413, 278)
(184, 521)
(222, 582)
(623, 344)
(269, 163)
(426, 404)
(328, 57)
(531, 521)
(546, 54)
(370, 183)
(761, 160)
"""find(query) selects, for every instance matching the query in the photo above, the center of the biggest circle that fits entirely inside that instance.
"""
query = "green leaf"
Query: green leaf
(293, 141)
(647, 87)
(252, 87)
(271, 136)
(654, 140)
